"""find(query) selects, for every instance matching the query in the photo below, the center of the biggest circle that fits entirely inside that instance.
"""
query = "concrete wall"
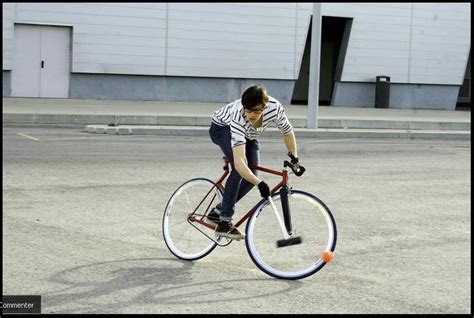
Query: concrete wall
(352, 94)
(116, 87)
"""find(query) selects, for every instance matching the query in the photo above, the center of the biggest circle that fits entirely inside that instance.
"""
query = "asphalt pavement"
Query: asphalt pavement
(82, 226)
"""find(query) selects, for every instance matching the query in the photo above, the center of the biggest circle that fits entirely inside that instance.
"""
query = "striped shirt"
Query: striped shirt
(233, 115)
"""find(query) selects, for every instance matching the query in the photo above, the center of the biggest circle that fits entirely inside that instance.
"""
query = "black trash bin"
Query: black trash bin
(382, 91)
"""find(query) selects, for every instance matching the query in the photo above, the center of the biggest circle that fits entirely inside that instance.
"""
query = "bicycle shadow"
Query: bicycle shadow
(115, 286)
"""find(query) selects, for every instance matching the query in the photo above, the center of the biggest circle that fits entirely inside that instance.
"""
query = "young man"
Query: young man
(235, 129)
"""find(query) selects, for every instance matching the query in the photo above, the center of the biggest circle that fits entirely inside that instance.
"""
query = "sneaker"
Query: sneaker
(226, 229)
(213, 216)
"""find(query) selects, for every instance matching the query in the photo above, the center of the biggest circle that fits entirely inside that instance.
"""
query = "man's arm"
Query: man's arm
(240, 163)
(290, 142)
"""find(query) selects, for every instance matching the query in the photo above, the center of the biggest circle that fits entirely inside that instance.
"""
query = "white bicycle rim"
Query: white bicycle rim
(207, 244)
(318, 262)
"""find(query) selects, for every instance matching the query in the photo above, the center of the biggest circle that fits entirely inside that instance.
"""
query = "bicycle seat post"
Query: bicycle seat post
(285, 176)
(226, 163)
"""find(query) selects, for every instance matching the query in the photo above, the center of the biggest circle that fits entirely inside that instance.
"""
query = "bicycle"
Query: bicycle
(189, 236)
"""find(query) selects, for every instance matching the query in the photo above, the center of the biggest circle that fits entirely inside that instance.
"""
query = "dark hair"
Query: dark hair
(253, 96)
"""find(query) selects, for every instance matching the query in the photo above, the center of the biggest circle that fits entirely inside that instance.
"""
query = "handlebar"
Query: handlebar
(297, 169)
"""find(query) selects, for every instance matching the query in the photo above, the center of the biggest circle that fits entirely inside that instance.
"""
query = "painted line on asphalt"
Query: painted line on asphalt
(29, 137)
(78, 138)
(322, 141)
(59, 139)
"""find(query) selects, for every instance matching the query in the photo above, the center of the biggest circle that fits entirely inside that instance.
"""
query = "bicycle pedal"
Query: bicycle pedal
(222, 240)
(291, 241)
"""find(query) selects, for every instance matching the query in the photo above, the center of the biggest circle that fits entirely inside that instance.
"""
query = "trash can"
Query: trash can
(382, 91)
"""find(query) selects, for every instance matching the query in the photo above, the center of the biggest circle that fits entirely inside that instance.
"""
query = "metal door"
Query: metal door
(26, 71)
(55, 63)
(41, 62)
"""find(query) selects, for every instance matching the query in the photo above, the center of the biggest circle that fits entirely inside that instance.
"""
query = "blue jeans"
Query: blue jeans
(235, 187)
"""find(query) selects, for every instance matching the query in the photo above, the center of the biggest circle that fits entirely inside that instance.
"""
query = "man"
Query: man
(235, 129)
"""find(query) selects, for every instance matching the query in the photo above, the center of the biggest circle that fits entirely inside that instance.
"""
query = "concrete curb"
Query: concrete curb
(204, 121)
(274, 132)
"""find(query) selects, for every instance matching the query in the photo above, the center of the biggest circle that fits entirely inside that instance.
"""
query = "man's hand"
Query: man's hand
(297, 168)
(294, 159)
(264, 189)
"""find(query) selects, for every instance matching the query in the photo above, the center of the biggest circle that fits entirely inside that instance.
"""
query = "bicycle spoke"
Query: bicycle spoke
(187, 199)
(185, 238)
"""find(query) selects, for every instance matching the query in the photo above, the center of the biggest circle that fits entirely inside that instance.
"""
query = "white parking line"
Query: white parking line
(59, 139)
(325, 140)
(29, 137)
(78, 138)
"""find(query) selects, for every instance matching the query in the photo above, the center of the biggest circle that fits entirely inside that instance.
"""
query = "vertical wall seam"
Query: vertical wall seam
(409, 45)
(162, 82)
(166, 38)
(71, 35)
(41, 57)
(295, 42)
(12, 46)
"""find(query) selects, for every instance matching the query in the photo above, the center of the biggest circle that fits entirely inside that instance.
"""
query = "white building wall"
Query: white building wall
(114, 38)
(411, 42)
(425, 43)
(440, 43)
(303, 18)
(249, 40)
(379, 41)
(7, 35)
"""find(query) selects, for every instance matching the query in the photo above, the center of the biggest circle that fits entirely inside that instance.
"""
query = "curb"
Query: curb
(274, 132)
(204, 121)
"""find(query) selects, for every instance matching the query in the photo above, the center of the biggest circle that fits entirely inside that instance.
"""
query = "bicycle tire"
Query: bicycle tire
(279, 262)
(170, 231)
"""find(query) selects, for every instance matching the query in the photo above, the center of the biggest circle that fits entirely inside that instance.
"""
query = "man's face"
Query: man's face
(254, 114)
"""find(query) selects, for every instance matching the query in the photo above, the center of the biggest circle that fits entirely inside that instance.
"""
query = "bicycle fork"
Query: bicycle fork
(285, 223)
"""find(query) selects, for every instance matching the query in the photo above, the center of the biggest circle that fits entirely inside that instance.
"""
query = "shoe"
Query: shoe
(213, 216)
(226, 229)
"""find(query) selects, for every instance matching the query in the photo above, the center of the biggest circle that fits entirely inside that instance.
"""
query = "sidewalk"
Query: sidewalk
(185, 118)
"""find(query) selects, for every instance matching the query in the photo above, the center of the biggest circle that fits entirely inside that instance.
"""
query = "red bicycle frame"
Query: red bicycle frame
(219, 183)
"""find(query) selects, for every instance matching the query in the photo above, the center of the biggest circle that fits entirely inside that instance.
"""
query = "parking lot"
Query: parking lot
(82, 226)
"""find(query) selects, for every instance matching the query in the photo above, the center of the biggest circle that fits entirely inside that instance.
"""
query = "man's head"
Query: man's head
(255, 96)
(254, 100)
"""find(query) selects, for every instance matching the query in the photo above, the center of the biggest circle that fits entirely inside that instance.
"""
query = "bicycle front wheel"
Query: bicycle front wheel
(311, 220)
(185, 238)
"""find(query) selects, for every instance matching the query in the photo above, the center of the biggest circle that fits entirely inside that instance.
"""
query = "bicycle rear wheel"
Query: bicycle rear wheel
(311, 220)
(184, 238)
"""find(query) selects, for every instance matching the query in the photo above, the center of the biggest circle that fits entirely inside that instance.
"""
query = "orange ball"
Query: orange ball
(327, 256)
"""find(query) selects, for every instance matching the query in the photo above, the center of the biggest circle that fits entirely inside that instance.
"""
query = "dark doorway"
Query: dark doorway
(334, 38)
(464, 97)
